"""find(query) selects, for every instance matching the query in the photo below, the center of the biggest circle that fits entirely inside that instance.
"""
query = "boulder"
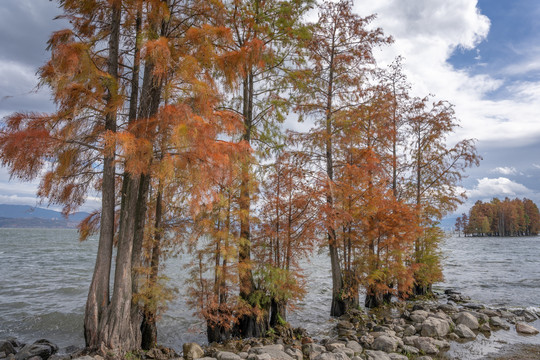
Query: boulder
(527, 315)
(418, 316)
(434, 327)
(448, 308)
(226, 355)
(485, 328)
(467, 319)
(192, 351)
(331, 356)
(41, 348)
(243, 354)
(409, 330)
(354, 346)
(407, 349)
(498, 322)
(464, 332)
(376, 355)
(294, 353)
(334, 345)
(425, 357)
(426, 345)
(264, 356)
(395, 356)
(526, 329)
(385, 343)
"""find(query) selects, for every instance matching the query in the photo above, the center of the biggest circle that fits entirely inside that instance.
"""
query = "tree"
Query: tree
(339, 55)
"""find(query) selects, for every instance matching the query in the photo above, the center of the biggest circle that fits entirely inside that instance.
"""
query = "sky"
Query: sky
(483, 56)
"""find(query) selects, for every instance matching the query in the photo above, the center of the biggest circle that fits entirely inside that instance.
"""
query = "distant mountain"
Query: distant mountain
(24, 216)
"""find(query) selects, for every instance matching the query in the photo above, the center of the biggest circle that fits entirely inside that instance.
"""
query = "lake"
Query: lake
(45, 274)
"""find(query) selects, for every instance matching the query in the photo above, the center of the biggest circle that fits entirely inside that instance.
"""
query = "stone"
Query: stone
(464, 332)
(441, 344)
(426, 345)
(7, 348)
(334, 345)
(434, 327)
(385, 343)
(85, 357)
(507, 314)
(425, 357)
(294, 353)
(312, 347)
(409, 330)
(452, 336)
(467, 319)
(264, 356)
(419, 316)
(345, 325)
(41, 348)
(407, 349)
(331, 356)
(498, 322)
(376, 355)
(485, 328)
(243, 354)
(226, 355)
(489, 312)
(527, 315)
(207, 358)
(448, 308)
(395, 356)
(409, 340)
(354, 346)
(192, 351)
(526, 329)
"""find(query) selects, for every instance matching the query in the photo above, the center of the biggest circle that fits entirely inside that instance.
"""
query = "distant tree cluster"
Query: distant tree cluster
(500, 218)
(173, 111)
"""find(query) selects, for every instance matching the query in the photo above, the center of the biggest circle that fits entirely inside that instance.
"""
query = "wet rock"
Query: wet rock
(376, 355)
(498, 322)
(489, 312)
(7, 348)
(426, 345)
(485, 327)
(464, 332)
(434, 327)
(226, 355)
(354, 346)
(467, 319)
(527, 315)
(385, 343)
(41, 348)
(507, 314)
(526, 329)
(192, 351)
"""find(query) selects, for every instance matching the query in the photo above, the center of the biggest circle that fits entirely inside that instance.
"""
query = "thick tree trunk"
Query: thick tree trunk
(278, 313)
(98, 294)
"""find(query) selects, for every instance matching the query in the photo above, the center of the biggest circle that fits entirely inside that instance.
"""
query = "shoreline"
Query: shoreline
(449, 326)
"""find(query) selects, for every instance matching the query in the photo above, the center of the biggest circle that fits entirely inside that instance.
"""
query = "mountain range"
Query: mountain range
(24, 216)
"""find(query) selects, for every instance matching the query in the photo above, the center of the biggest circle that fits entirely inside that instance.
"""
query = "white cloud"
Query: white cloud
(504, 170)
(500, 187)
(426, 33)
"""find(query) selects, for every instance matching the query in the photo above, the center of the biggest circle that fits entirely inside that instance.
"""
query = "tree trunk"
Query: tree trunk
(278, 313)
(98, 294)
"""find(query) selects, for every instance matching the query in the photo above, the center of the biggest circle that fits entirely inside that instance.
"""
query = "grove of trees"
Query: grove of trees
(172, 111)
(500, 218)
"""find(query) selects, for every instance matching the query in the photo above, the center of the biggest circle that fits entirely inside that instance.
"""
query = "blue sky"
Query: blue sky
(483, 56)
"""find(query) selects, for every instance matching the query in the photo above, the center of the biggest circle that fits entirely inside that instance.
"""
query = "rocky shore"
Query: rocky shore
(420, 330)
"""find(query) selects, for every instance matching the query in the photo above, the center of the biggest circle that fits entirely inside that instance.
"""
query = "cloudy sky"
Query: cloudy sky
(483, 56)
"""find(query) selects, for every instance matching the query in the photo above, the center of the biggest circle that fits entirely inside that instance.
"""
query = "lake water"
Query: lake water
(45, 274)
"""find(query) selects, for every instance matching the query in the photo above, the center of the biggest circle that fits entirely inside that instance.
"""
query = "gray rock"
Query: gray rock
(434, 327)
(452, 336)
(243, 354)
(7, 348)
(498, 322)
(441, 344)
(85, 357)
(527, 315)
(264, 356)
(376, 355)
(485, 328)
(207, 358)
(464, 332)
(418, 316)
(490, 312)
(526, 329)
(385, 343)
(395, 356)
(278, 347)
(448, 308)
(294, 353)
(334, 345)
(425, 357)
(407, 349)
(409, 330)
(41, 348)
(226, 355)
(467, 319)
(331, 356)
(192, 351)
(507, 314)
(426, 345)
(354, 346)
(409, 340)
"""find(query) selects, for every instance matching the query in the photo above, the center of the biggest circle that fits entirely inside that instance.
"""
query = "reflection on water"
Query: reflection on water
(46, 273)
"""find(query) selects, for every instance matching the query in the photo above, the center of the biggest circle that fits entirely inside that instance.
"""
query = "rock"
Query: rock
(395, 356)
(409, 330)
(407, 349)
(526, 329)
(264, 356)
(467, 319)
(489, 312)
(192, 351)
(274, 352)
(226, 355)
(507, 314)
(207, 358)
(385, 343)
(409, 340)
(527, 315)
(345, 325)
(419, 316)
(485, 328)
(331, 356)
(243, 354)
(334, 345)
(294, 353)
(425, 357)
(464, 332)
(85, 357)
(376, 355)
(7, 348)
(448, 308)
(354, 346)
(312, 348)
(433, 327)
(41, 348)
(367, 340)
(452, 336)
(426, 345)
(498, 322)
